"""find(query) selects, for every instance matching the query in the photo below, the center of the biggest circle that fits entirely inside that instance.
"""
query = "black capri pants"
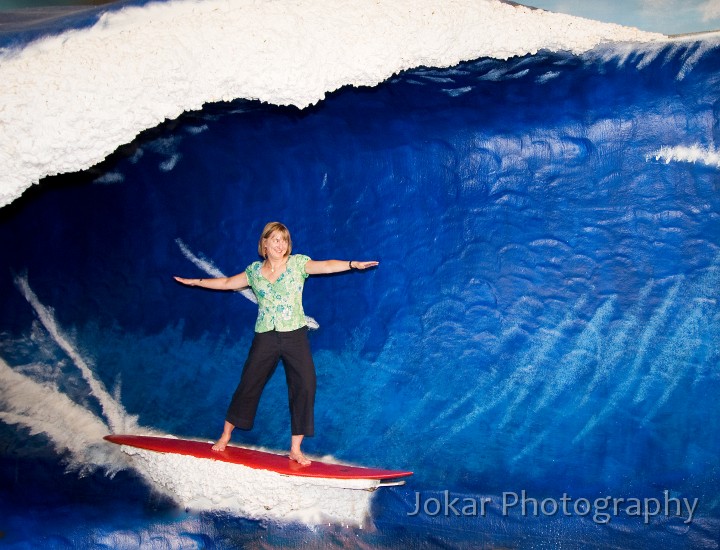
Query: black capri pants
(266, 351)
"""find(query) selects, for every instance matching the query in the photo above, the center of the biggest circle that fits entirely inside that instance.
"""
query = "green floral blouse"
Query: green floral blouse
(279, 303)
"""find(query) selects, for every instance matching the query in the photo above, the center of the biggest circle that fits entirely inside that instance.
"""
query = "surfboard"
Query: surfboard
(260, 460)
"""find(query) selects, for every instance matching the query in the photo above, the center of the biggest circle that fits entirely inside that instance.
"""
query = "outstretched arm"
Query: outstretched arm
(221, 283)
(313, 267)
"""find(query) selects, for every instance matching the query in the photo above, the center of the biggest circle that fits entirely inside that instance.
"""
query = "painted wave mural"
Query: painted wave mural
(539, 343)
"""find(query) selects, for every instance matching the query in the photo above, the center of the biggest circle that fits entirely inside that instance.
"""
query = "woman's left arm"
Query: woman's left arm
(313, 267)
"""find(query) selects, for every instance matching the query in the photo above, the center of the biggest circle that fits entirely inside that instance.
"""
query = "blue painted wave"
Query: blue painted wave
(544, 317)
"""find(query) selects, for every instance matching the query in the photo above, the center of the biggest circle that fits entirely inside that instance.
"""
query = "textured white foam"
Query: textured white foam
(205, 484)
(693, 153)
(68, 101)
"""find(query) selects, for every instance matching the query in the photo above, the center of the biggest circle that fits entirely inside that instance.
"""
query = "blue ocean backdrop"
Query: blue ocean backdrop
(544, 321)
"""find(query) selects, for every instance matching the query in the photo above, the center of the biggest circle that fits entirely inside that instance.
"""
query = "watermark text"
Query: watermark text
(601, 510)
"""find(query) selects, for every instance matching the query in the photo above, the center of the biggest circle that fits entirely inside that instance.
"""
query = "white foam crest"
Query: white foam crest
(209, 267)
(70, 100)
(43, 409)
(689, 48)
(692, 58)
(693, 153)
(204, 484)
(118, 420)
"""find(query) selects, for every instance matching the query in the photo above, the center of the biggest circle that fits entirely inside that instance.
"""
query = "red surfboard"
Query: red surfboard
(252, 458)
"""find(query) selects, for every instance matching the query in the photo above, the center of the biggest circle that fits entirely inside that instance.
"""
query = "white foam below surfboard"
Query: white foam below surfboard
(209, 484)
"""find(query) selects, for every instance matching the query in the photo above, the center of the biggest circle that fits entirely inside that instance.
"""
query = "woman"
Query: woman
(280, 333)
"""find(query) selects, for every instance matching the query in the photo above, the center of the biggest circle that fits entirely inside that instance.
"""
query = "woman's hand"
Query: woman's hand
(363, 265)
(188, 282)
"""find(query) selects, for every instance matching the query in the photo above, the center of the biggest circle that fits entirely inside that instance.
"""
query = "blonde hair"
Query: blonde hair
(270, 228)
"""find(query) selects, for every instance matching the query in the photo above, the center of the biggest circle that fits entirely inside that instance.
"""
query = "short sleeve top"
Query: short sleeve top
(279, 303)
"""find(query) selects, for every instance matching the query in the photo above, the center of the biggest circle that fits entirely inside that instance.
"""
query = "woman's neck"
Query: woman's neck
(275, 265)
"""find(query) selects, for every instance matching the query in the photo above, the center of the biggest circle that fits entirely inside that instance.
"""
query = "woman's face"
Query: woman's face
(276, 245)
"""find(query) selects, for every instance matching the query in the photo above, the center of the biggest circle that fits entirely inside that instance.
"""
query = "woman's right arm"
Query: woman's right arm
(221, 283)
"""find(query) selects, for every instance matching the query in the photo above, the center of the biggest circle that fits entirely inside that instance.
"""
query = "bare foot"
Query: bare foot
(221, 443)
(300, 458)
